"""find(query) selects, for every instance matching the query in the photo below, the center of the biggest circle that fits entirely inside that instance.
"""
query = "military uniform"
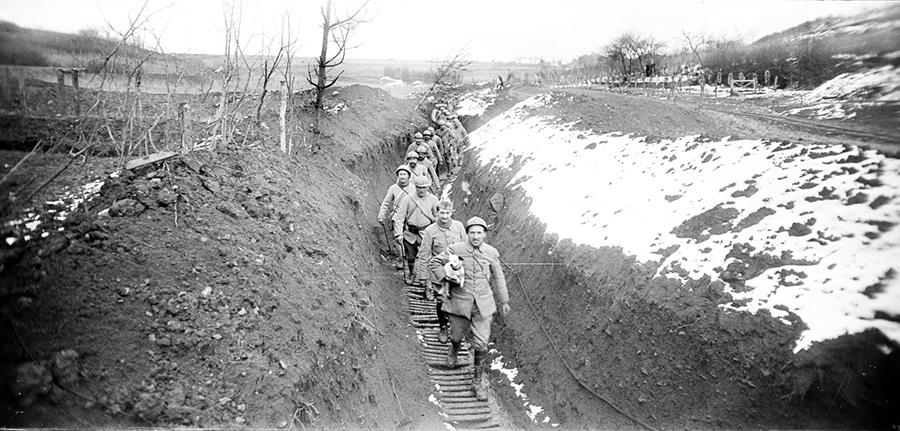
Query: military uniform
(413, 215)
(471, 303)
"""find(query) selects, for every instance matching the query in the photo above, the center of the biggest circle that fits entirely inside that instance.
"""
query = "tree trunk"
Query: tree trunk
(323, 57)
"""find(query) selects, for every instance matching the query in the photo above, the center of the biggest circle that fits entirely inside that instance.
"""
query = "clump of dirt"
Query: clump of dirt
(238, 287)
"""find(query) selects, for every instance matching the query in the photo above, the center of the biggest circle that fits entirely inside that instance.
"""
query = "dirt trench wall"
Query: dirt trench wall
(662, 352)
(248, 298)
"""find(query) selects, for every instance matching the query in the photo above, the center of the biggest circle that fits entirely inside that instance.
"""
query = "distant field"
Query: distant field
(200, 76)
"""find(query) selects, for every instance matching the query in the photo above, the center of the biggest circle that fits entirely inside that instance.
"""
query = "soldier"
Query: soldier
(435, 239)
(458, 127)
(419, 140)
(470, 302)
(415, 212)
(451, 143)
(422, 152)
(434, 151)
(442, 149)
(394, 195)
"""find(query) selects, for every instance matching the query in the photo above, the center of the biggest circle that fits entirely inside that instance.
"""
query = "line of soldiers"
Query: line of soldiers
(450, 260)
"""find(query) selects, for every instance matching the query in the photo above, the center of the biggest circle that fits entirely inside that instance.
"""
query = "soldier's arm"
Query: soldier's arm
(400, 216)
(434, 177)
(386, 205)
(436, 264)
(424, 253)
(499, 279)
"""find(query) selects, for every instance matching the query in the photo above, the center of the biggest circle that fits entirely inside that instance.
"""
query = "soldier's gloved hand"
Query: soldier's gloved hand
(504, 309)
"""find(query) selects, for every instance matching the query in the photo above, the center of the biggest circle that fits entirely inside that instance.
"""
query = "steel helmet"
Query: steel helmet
(476, 221)
(418, 135)
(423, 181)
(403, 168)
(421, 149)
(430, 129)
(427, 133)
(412, 155)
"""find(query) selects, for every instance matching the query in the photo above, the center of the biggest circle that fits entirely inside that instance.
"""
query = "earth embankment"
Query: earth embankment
(233, 288)
(596, 333)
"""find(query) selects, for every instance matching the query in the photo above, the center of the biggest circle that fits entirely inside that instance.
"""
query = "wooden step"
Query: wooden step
(469, 405)
(469, 418)
(492, 423)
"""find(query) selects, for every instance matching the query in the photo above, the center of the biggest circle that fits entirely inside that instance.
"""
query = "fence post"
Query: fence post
(187, 138)
(75, 92)
(61, 91)
(282, 115)
(7, 83)
(23, 98)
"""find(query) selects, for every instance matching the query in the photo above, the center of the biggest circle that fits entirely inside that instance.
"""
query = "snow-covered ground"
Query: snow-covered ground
(881, 84)
(534, 412)
(616, 190)
(474, 104)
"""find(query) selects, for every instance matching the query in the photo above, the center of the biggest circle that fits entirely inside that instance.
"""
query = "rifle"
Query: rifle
(387, 238)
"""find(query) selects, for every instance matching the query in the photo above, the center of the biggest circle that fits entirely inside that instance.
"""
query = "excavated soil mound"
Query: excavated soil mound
(238, 287)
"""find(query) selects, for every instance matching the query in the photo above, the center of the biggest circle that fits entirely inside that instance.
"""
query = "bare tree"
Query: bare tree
(338, 32)
(696, 43)
(632, 49)
(455, 63)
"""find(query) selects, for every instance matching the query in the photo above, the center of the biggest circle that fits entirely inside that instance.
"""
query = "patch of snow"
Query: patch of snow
(614, 190)
(880, 84)
(827, 111)
(476, 103)
(531, 410)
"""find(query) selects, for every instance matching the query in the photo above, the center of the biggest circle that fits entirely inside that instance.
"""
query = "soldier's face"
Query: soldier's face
(411, 161)
(444, 215)
(476, 236)
(403, 176)
(421, 191)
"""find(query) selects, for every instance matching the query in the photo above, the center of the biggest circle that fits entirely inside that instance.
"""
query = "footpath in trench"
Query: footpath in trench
(459, 406)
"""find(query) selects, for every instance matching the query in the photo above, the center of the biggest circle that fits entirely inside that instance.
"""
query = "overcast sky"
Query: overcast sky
(502, 30)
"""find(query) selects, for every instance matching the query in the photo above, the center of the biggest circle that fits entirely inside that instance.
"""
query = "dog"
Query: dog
(455, 273)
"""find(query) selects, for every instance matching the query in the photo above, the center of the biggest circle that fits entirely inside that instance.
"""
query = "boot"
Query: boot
(478, 377)
(452, 353)
(443, 321)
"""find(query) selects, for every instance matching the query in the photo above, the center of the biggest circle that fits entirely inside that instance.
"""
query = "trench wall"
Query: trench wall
(660, 351)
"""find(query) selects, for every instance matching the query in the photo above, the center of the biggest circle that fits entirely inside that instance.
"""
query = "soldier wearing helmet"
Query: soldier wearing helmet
(396, 192)
(437, 147)
(415, 212)
(435, 239)
(451, 141)
(470, 302)
(418, 142)
(422, 153)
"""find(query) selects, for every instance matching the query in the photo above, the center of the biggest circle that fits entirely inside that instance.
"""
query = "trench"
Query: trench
(597, 342)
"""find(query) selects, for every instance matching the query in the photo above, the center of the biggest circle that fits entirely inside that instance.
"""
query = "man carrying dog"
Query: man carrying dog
(470, 303)
(435, 239)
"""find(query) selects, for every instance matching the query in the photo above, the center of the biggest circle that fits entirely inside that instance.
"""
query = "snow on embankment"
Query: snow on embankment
(847, 94)
(826, 215)
(476, 103)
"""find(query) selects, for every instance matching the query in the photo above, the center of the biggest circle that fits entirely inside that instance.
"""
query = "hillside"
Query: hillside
(88, 49)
